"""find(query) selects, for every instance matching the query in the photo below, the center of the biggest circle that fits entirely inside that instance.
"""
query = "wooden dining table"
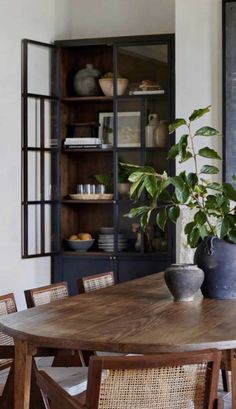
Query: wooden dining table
(138, 316)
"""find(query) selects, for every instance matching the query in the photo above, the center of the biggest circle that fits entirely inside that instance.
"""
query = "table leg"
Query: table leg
(233, 377)
(22, 379)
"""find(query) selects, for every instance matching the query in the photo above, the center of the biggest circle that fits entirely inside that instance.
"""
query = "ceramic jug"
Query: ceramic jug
(160, 134)
(153, 123)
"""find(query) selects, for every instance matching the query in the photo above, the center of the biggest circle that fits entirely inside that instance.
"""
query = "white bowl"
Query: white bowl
(80, 245)
(106, 85)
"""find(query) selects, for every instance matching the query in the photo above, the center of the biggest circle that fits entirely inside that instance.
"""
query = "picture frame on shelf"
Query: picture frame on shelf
(128, 128)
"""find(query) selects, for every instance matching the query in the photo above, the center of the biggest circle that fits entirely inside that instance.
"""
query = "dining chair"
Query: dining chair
(95, 282)
(185, 380)
(45, 295)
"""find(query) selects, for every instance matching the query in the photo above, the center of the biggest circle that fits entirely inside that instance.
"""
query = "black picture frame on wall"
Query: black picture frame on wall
(229, 88)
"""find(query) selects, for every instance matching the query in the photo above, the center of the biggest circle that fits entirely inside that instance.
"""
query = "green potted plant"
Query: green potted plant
(212, 229)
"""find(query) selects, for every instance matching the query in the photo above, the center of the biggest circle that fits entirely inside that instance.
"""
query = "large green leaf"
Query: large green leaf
(207, 131)
(203, 231)
(184, 153)
(189, 227)
(150, 183)
(144, 219)
(229, 191)
(135, 188)
(232, 235)
(173, 152)
(209, 153)
(173, 213)
(214, 186)
(222, 228)
(200, 217)
(135, 176)
(176, 124)
(161, 218)
(137, 211)
(181, 189)
(208, 169)
(192, 179)
(193, 237)
(197, 113)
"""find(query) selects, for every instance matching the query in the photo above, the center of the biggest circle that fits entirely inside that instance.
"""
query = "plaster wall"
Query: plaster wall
(42, 21)
(198, 80)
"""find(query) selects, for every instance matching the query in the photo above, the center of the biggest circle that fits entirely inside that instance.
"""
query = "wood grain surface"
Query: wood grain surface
(138, 316)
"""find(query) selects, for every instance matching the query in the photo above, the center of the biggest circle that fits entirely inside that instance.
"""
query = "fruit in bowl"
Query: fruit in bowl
(106, 84)
(80, 242)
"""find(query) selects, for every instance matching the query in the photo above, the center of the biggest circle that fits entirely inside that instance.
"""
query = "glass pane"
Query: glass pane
(150, 76)
(129, 238)
(128, 123)
(33, 122)
(50, 124)
(34, 232)
(50, 176)
(39, 69)
(33, 176)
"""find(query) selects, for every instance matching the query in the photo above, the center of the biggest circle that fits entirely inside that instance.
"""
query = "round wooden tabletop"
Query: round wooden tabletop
(138, 316)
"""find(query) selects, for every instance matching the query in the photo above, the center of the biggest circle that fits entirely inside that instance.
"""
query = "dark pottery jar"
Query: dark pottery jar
(183, 280)
(217, 258)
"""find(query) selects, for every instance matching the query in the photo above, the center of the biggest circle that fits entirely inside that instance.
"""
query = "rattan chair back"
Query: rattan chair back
(46, 294)
(7, 306)
(167, 381)
(95, 282)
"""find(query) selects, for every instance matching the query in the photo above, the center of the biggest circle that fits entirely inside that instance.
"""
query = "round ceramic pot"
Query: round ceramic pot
(217, 258)
(86, 81)
(183, 280)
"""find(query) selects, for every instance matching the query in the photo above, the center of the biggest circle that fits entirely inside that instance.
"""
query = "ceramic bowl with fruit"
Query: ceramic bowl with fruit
(80, 242)
(106, 84)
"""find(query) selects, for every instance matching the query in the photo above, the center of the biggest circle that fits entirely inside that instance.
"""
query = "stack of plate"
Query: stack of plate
(107, 238)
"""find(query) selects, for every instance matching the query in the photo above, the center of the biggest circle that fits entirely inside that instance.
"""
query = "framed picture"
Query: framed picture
(128, 132)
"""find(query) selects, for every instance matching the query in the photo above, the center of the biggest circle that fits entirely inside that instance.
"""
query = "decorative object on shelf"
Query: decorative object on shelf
(151, 129)
(128, 128)
(80, 242)
(106, 240)
(106, 84)
(86, 81)
(91, 196)
(212, 203)
(147, 87)
(183, 281)
(161, 135)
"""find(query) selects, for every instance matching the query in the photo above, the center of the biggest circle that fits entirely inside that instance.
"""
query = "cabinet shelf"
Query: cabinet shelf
(74, 202)
(98, 98)
(76, 150)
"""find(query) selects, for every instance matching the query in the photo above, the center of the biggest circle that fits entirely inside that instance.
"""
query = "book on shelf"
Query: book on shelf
(148, 92)
(82, 146)
(82, 141)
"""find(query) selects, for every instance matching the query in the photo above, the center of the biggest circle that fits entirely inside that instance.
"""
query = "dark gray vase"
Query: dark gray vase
(183, 280)
(217, 258)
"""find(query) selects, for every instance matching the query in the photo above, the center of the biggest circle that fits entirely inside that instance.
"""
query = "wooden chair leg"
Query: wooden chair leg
(225, 380)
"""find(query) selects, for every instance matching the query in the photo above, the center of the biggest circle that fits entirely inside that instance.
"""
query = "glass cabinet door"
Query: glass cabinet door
(142, 113)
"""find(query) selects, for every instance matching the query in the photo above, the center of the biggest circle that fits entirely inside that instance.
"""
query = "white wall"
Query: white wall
(40, 20)
(198, 71)
(120, 17)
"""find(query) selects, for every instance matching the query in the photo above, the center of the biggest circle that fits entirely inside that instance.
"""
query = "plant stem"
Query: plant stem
(193, 148)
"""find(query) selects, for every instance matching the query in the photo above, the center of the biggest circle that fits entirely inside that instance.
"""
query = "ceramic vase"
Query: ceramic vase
(183, 280)
(217, 258)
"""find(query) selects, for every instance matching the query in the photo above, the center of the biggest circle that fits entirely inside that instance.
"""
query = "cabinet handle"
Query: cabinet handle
(114, 258)
(110, 257)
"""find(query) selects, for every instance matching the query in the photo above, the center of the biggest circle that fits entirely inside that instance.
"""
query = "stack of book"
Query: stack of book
(73, 143)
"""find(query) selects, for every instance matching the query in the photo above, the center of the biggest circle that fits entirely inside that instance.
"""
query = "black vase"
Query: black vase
(217, 258)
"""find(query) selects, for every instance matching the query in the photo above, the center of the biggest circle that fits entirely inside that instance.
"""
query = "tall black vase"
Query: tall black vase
(217, 258)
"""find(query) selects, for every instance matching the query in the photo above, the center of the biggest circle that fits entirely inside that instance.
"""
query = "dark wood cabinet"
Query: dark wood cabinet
(131, 127)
